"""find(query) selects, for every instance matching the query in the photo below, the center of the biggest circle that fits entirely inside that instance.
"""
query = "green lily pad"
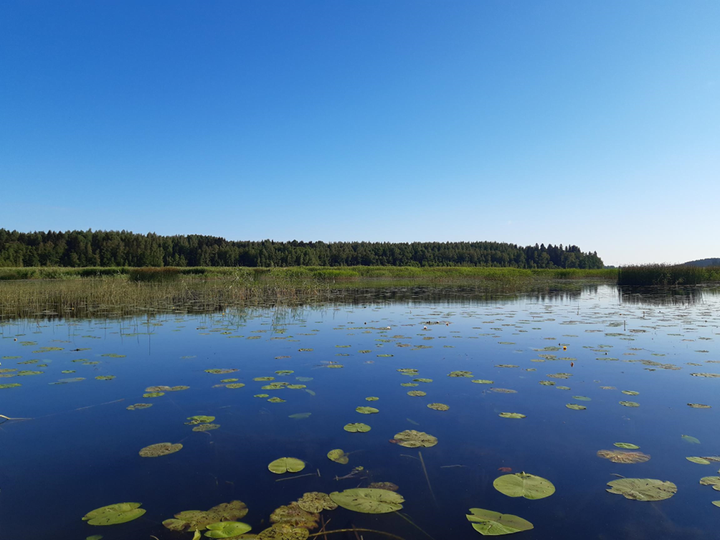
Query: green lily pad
(438, 407)
(315, 502)
(409, 384)
(234, 385)
(199, 420)
(575, 407)
(423, 380)
(416, 393)
(227, 529)
(10, 385)
(234, 380)
(356, 427)
(524, 485)
(160, 449)
(716, 503)
(690, 439)
(261, 395)
(105, 377)
(699, 406)
(372, 398)
(414, 439)
(482, 381)
(300, 416)
(489, 523)
(153, 394)
(582, 398)
(368, 500)
(713, 481)
(620, 456)
(627, 446)
(206, 427)
(276, 400)
(138, 406)
(511, 415)
(642, 489)
(338, 456)
(194, 520)
(283, 531)
(631, 392)
(460, 374)
(294, 516)
(220, 371)
(94, 537)
(629, 404)
(367, 410)
(286, 464)
(114, 514)
(284, 372)
(698, 460)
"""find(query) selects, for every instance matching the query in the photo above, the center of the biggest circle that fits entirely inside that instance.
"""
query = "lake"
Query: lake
(629, 364)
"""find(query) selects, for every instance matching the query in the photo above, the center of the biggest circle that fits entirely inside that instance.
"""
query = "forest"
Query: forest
(123, 248)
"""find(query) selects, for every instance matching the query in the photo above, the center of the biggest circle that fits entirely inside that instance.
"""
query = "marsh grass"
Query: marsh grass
(88, 292)
(663, 275)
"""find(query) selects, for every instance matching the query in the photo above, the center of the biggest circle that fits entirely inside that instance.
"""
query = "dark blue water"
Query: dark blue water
(79, 448)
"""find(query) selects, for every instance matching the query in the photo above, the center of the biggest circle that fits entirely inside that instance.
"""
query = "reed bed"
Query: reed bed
(664, 275)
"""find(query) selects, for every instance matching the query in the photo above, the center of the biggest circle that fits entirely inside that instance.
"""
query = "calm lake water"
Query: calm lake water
(79, 448)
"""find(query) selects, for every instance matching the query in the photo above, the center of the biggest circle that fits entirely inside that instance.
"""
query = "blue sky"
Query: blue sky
(595, 123)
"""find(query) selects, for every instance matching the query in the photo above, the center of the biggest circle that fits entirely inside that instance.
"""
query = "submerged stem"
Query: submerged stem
(389, 535)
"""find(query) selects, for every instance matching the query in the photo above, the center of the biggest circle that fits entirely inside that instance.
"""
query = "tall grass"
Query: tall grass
(663, 275)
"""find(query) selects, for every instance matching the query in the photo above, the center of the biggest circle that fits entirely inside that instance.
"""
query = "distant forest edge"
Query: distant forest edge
(126, 249)
(704, 262)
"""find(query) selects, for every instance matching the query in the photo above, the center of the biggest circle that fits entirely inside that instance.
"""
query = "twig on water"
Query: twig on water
(9, 419)
(411, 522)
(422, 462)
(293, 477)
(389, 535)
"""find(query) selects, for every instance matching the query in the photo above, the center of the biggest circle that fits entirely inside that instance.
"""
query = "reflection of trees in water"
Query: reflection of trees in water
(666, 296)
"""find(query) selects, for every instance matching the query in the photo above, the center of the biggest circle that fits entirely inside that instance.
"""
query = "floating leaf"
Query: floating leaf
(438, 407)
(294, 516)
(261, 395)
(160, 449)
(276, 400)
(642, 489)
(138, 406)
(699, 406)
(283, 531)
(618, 456)
(300, 416)
(627, 446)
(227, 529)
(367, 410)
(220, 371)
(713, 481)
(482, 381)
(356, 427)
(575, 407)
(524, 485)
(235, 385)
(698, 460)
(154, 394)
(384, 485)
(114, 514)
(286, 464)
(582, 398)
(368, 500)
(372, 398)
(315, 502)
(10, 385)
(338, 456)
(511, 415)
(105, 377)
(190, 520)
(489, 523)
(690, 439)
(460, 374)
(709, 375)
(415, 439)
(206, 427)
(631, 393)
(199, 420)
(629, 404)
(423, 380)
(716, 503)
(416, 393)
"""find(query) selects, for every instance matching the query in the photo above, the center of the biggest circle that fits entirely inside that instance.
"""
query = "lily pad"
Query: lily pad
(316, 502)
(235, 385)
(114, 514)
(190, 520)
(276, 400)
(713, 481)
(206, 427)
(138, 406)
(199, 420)
(286, 464)
(690, 439)
(160, 449)
(582, 398)
(629, 404)
(372, 398)
(283, 531)
(294, 516)
(482, 381)
(699, 406)
(698, 460)
(642, 489)
(524, 485)
(576, 407)
(417, 393)
(438, 407)
(619, 456)
(367, 410)
(356, 427)
(415, 439)
(626, 446)
(154, 394)
(489, 523)
(631, 392)
(300, 416)
(220, 371)
(460, 374)
(368, 500)
(511, 415)
(338, 456)
(227, 529)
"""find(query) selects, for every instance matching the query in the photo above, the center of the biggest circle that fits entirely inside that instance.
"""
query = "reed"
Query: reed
(663, 275)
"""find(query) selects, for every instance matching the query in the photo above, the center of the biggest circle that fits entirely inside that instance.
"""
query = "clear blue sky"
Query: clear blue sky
(595, 123)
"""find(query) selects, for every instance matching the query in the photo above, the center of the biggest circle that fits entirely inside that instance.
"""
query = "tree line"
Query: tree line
(123, 248)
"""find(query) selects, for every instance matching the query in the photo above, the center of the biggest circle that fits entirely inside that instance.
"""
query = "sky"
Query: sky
(593, 123)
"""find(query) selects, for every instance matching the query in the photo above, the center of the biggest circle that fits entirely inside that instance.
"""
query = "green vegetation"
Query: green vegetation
(663, 275)
(88, 249)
